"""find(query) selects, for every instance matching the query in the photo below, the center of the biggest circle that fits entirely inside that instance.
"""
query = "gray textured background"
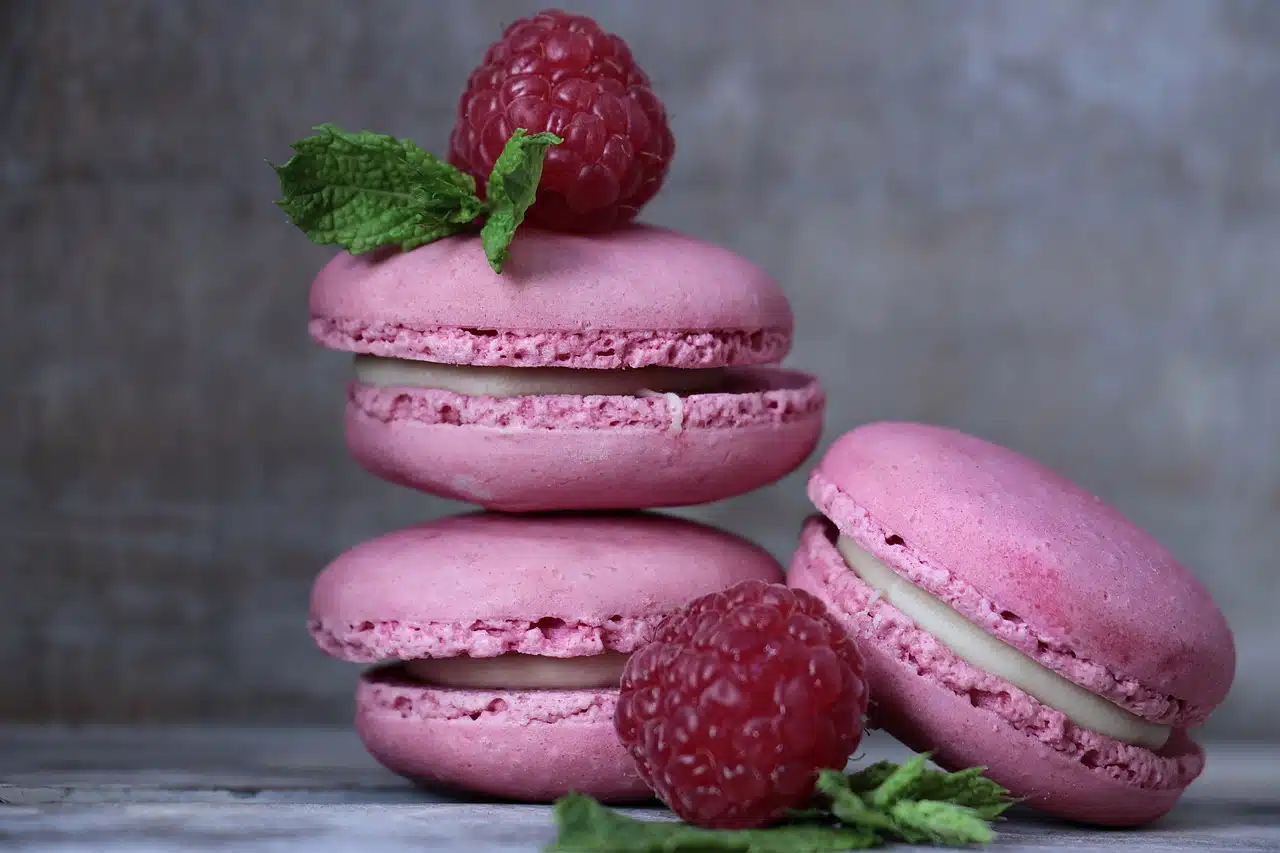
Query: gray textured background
(1055, 224)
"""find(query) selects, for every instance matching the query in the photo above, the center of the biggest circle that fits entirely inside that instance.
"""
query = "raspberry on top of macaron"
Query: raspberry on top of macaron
(558, 125)
(562, 74)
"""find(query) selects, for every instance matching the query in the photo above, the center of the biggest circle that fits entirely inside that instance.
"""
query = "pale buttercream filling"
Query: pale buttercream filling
(515, 671)
(978, 648)
(475, 381)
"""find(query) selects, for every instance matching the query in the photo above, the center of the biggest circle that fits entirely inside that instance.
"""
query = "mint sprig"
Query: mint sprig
(967, 788)
(880, 804)
(586, 826)
(911, 803)
(513, 186)
(366, 190)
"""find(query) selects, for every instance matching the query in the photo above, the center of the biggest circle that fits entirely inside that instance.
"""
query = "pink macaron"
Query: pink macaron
(617, 371)
(1011, 619)
(502, 639)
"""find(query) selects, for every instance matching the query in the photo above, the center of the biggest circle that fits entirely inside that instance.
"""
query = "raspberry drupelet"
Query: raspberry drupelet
(563, 74)
(737, 703)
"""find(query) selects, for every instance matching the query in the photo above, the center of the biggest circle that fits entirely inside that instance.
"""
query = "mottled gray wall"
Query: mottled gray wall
(1056, 224)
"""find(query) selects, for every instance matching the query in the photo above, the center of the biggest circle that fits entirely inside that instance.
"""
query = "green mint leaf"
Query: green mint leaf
(512, 188)
(934, 822)
(871, 777)
(850, 807)
(808, 816)
(880, 804)
(585, 826)
(914, 804)
(967, 788)
(366, 190)
(900, 783)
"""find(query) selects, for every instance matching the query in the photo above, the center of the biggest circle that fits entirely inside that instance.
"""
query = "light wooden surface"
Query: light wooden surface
(314, 790)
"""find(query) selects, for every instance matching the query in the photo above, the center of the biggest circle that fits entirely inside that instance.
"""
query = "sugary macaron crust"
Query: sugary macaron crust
(636, 297)
(1040, 564)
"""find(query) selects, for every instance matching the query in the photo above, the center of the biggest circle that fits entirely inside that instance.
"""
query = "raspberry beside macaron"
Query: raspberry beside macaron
(738, 701)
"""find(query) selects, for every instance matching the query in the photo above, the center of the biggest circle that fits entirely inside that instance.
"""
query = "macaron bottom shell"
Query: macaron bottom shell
(1120, 786)
(521, 454)
(526, 746)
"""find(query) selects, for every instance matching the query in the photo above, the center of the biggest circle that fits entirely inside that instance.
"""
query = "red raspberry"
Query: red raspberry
(562, 73)
(737, 703)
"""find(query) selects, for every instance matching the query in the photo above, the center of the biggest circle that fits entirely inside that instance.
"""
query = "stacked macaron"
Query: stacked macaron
(565, 383)
(623, 370)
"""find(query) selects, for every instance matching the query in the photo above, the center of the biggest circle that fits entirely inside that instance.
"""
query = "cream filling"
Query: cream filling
(536, 381)
(977, 647)
(515, 671)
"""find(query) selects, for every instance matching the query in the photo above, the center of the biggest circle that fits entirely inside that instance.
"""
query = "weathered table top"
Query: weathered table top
(314, 790)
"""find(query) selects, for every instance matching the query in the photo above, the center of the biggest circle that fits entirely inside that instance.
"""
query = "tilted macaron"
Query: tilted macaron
(618, 371)
(509, 635)
(1011, 619)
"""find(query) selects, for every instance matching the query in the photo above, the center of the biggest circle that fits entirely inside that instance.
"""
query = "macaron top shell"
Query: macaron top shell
(1035, 559)
(559, 585)
(662, 297)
